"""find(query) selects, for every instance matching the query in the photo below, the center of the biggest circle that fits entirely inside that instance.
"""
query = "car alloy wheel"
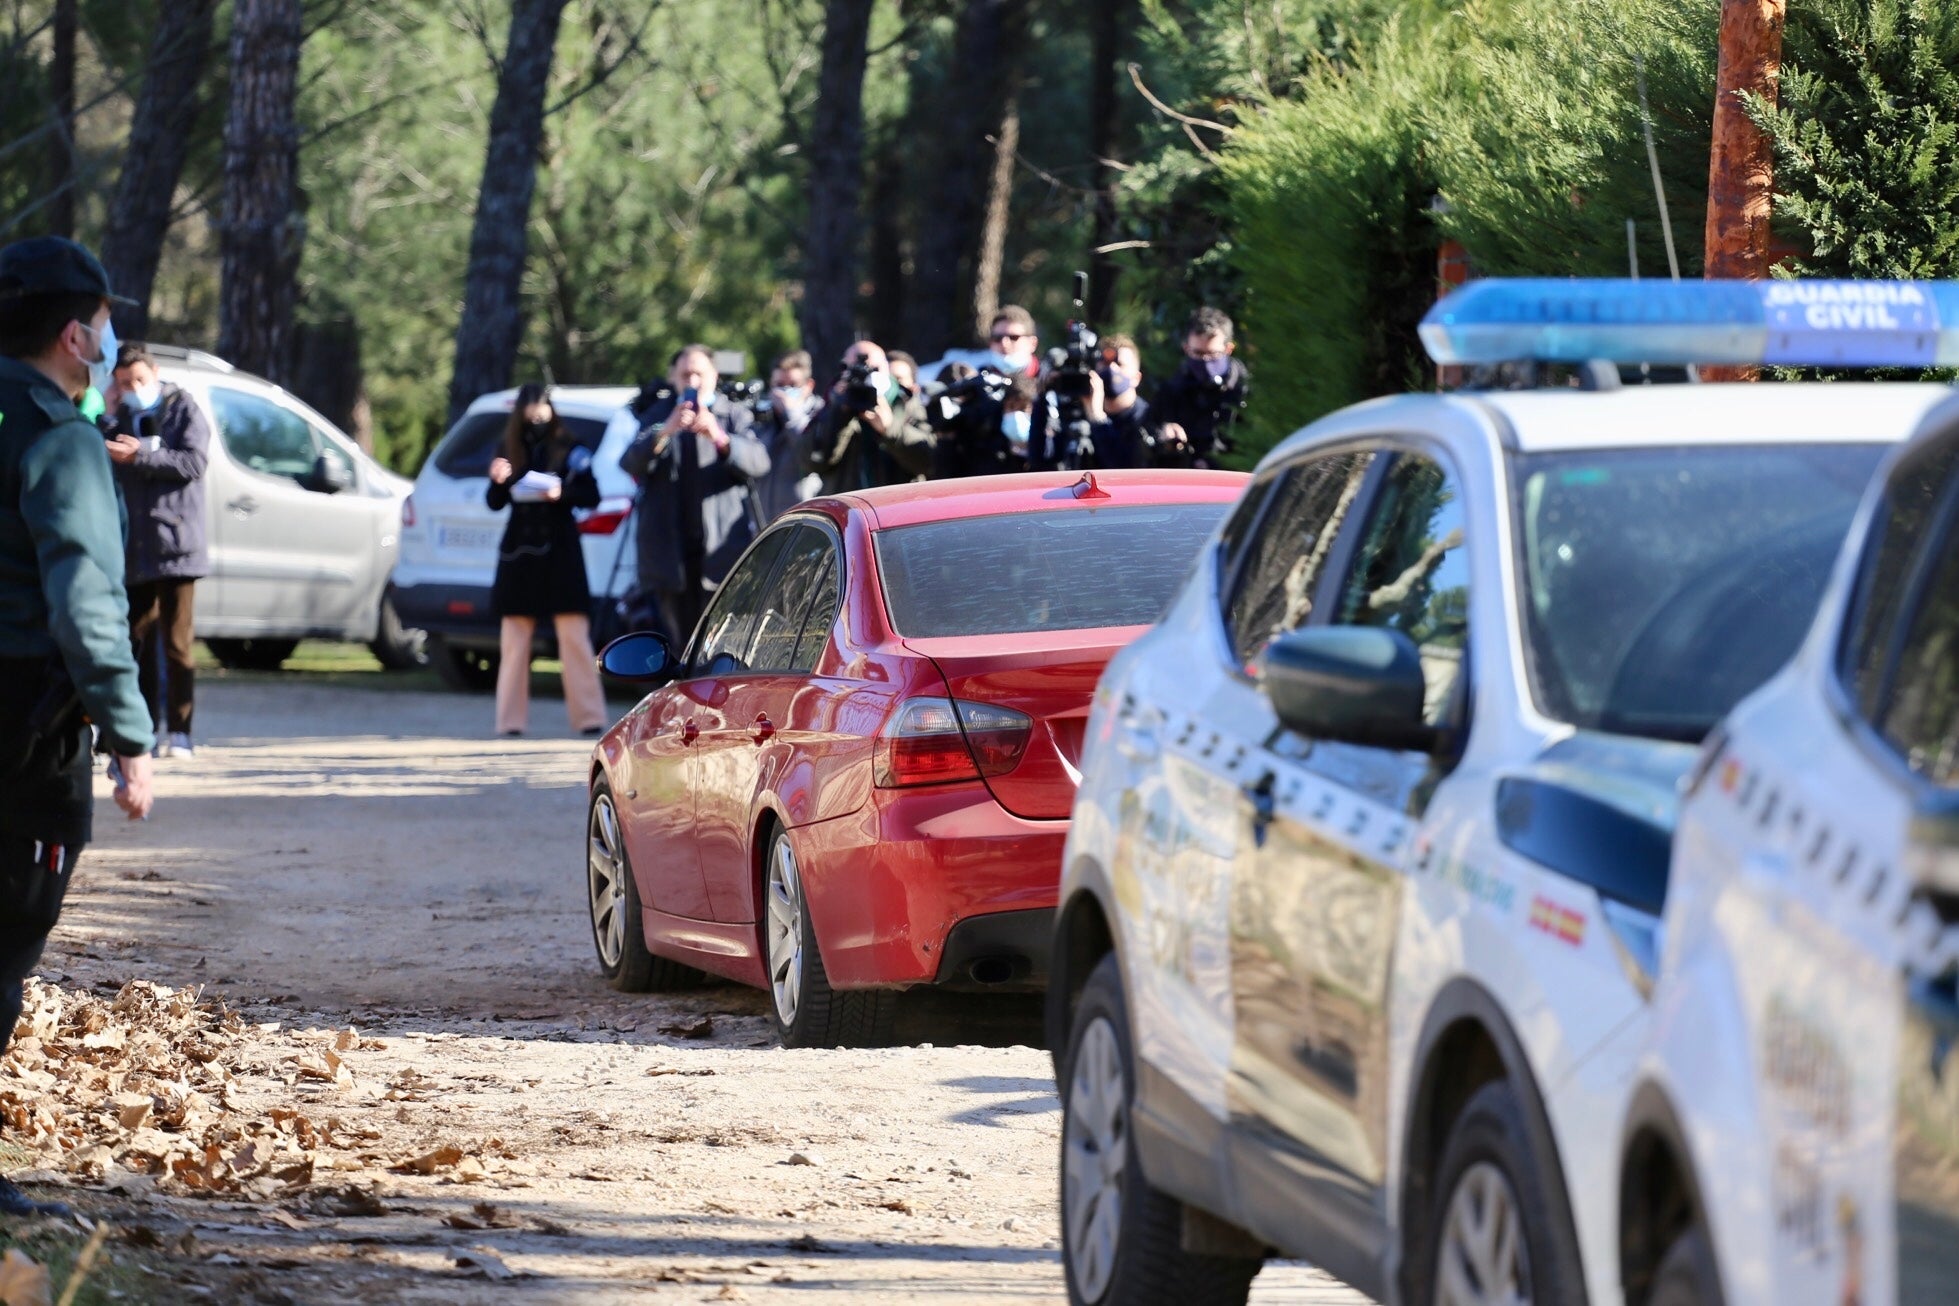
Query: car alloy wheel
(605, 881)
(1483, 1257)
(1095, 1149)
(785, 894)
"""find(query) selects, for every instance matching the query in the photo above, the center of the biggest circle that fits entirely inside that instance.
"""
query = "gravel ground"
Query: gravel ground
(498, 1124)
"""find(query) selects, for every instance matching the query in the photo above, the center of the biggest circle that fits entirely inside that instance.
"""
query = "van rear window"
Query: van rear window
(471, 443)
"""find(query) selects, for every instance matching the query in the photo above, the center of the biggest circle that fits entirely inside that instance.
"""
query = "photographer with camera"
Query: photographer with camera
(983, 421)
(1197, 406)
(159, 445)
(696, 464)
(1114, 411)
(860, 439)
(782, 424)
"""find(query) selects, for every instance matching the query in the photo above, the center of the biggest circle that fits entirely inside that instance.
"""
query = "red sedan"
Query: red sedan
(858, 776)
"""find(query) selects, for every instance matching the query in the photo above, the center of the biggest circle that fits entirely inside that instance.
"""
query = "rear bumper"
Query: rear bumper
(921, 886)
(459, 613)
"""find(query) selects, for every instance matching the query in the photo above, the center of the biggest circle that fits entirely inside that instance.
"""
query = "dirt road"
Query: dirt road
(339, 858)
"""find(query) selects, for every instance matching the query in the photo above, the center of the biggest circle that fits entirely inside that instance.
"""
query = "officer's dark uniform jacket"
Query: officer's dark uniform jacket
(64, 616)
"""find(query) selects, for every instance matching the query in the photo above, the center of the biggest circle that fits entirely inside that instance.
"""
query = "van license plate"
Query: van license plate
(468, 538)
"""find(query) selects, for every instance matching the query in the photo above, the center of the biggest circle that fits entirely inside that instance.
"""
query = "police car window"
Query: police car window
(780, 625)
(1911, 498)
(263, 436)
(1663, 585)
(1071, 568)
(1411, 573)
(728, 628)
(472, 442)
(1238, 528)
(1921, 714)
(1284, 561)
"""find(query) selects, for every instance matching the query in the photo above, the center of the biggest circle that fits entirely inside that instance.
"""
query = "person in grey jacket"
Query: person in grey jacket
(696, 463)
(160, 448)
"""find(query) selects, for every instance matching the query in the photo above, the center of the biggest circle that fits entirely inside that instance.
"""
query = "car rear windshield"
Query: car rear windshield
(1664, 585)
(1067, 569)
(473, 442)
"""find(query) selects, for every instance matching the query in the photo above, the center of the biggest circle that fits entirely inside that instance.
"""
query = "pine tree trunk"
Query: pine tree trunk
(159, 142)
(985, 69)
(1108, 20)
(993, 233)
(836, 167)
(1741, 168)
(61, 141)
(492, 326)
(887, 223)
(262, 230)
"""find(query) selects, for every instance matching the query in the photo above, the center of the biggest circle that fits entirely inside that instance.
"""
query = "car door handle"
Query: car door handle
(689, 733)
(244, 505)
(764, 729)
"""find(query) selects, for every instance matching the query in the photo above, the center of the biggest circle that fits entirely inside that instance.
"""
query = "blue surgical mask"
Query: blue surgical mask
(1117, 383)
(146, 396)
(1217, 367)
(999, 362)
(102, 369)
(1017, 427)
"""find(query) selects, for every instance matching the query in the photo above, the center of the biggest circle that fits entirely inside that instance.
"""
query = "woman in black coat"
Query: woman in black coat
(541, 476)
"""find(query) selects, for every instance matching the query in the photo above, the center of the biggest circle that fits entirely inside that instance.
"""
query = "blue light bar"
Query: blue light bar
(1778, 323)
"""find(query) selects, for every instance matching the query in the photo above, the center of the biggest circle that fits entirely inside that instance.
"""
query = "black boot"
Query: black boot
(17, 1203)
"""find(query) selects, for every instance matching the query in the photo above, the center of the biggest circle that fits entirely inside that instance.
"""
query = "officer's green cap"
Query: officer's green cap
(52, 265)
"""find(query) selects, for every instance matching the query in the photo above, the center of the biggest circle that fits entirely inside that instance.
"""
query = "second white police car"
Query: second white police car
(1360, 906)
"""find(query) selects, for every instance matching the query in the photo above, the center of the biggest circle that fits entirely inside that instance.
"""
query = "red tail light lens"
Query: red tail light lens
(932, 741)
(408, 512)
(608, 517)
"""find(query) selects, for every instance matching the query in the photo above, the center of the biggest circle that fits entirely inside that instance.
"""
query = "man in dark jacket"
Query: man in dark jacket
(695, 462)
(159, 448)
(1197, 406)
(870, 432)
(64, 620)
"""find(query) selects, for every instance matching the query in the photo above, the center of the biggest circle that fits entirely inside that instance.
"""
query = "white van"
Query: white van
(449, 536)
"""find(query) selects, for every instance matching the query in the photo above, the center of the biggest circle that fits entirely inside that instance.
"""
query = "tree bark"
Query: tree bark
(836, 167)
(993, 232)
(887, 223)
(986, 69)
(159, 142)
(61, 141)
(1108, 20)
(1741, 168)
(492, 326)
(262, 232)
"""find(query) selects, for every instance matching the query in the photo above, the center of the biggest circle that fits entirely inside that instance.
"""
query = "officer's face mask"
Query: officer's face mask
(102, 368)
(1017, 427)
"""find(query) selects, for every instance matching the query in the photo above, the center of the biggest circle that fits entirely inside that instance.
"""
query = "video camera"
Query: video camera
(860, 390)
(958, 407)
(753, 392)
(1071, 380)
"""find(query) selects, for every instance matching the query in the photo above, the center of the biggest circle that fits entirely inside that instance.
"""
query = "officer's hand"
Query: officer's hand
(500, 470)
(123, 448)
(133, 794)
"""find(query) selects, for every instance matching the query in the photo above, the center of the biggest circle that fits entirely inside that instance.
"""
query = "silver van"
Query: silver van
(304, 526)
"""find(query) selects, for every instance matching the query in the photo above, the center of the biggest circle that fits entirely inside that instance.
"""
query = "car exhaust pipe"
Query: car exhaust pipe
(991, 970)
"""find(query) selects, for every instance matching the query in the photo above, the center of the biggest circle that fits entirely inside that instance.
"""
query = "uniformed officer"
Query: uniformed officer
(65, 658)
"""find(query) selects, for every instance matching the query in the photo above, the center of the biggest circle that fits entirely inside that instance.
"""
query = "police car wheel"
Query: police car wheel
(809, 1013)
(1687, 1276)
(1490, 1236)
(618, 932)
(1122, 1240)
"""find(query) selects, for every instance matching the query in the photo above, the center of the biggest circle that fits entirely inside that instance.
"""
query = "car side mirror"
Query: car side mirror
(331, 476)
(1355, 684)
(641, 658)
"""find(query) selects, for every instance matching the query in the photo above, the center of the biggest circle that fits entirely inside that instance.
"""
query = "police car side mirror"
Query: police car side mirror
(1355, 684)
(641, 658)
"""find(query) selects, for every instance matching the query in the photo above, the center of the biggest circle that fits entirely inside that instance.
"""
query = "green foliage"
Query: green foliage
(1867, 138)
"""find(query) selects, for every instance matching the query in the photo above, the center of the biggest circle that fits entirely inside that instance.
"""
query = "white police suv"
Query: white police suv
(1360, 902)
(1794, 1134)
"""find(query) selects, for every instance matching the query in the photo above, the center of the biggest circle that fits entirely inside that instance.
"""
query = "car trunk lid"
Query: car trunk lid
(1049, 676)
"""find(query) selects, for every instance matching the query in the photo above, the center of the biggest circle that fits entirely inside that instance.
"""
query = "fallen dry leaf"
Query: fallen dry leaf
(702, 1028)
(485, 1260)
(23, 1282)
(429, 1162)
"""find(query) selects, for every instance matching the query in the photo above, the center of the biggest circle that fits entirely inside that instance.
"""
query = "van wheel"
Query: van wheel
(398, 647)
(1491, 1236)
(618, 928)
(251, 654)
(1121, 1239)
(1687, 1275)
(465, 670)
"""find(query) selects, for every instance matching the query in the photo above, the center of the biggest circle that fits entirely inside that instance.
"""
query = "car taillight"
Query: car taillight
(934, 741)
(408, 512)
(606, 518)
